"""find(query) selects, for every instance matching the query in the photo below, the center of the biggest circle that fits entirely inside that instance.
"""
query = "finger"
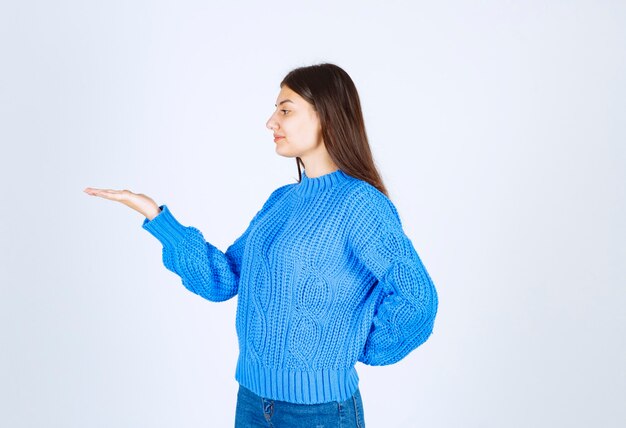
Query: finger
(115, 195)
(92, 191)
(95, 189)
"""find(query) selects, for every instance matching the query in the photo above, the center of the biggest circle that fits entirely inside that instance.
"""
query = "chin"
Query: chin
(283, 154)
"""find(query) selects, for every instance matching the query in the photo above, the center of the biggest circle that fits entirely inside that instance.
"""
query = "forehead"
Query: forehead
(287, 94)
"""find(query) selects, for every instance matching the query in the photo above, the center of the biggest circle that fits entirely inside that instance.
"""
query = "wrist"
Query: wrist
(153, 214)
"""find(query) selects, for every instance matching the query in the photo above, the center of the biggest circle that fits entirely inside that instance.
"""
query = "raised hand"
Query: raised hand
(137, 201)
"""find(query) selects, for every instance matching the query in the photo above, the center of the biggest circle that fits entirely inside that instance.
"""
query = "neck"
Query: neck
(317, 169)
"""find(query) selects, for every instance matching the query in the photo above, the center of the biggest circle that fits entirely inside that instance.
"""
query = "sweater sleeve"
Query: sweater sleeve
(203, 268)
(404, 318)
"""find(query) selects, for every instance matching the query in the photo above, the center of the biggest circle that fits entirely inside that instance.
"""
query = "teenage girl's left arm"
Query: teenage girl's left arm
(204, 269)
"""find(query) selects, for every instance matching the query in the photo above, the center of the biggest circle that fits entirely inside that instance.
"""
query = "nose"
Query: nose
(271, 124)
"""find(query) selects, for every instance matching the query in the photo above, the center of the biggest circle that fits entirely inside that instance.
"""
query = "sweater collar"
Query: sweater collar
(311, 186)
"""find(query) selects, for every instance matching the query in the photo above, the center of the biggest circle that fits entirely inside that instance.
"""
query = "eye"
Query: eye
(284, 111)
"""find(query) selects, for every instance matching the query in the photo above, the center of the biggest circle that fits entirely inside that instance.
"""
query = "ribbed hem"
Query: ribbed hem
(310, 186)
(296, 386)
(165, 227)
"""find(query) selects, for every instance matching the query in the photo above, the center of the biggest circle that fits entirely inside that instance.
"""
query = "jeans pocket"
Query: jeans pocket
(358, 409)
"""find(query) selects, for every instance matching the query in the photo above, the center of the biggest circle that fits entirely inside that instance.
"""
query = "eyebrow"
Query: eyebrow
(284, 101)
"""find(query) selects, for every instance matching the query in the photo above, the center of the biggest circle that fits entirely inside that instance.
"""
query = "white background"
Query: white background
(498, 127)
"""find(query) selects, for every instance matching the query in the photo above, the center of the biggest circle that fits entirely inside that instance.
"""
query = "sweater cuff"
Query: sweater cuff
(165, 227)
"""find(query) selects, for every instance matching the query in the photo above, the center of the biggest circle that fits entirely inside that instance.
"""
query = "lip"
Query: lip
(277, 137)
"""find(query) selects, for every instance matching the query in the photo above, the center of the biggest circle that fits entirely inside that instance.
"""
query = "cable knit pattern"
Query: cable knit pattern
(325, 277)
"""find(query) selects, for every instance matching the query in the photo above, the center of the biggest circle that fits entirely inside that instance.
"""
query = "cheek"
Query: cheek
(312, 135)
(306, 132)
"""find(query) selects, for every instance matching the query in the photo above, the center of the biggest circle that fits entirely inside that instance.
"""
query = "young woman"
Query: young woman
(324, 273)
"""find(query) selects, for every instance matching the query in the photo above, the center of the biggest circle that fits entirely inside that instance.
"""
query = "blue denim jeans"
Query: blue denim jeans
(254, 411)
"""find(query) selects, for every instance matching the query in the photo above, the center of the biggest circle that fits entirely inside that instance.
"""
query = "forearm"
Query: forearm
(203, 268)
(400, 325)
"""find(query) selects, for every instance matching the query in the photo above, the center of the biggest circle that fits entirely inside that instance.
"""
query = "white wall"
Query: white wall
(498, 128)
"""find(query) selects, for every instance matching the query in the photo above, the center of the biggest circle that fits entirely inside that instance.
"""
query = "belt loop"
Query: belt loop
(268, 408)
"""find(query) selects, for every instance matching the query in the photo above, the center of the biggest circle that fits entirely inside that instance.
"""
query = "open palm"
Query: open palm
(137, 201)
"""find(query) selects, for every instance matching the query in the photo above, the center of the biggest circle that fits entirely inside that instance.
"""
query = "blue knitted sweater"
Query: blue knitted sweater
(325, 277)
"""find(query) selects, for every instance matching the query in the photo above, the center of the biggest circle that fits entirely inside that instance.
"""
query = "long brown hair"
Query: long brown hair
(334, 97)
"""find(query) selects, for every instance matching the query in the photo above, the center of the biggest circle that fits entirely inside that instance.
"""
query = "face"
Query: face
(296, 126)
